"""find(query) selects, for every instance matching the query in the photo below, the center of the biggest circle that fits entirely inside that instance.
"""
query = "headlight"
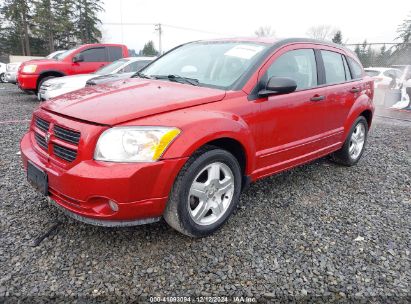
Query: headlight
(31, 68)
(134, 144)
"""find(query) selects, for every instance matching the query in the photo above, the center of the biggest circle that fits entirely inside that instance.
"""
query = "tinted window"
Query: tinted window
(94, 55)
(135, 66)
(356, 69)
(334, 67)
(298, 65)
(347, 69)
(114, 53)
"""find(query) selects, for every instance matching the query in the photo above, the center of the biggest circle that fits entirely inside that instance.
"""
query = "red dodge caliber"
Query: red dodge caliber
(184, 136)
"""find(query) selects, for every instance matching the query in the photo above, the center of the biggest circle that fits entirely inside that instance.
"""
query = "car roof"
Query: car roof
(278, 42)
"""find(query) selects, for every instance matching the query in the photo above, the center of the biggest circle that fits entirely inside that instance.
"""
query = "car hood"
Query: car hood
(125, 100)
(79, 78)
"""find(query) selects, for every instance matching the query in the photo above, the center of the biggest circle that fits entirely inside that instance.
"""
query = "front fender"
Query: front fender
(201, 127)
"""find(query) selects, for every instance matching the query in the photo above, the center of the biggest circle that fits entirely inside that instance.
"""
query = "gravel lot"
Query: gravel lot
(317, 233)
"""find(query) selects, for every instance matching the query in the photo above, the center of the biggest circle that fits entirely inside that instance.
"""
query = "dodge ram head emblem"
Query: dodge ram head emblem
(47, 137)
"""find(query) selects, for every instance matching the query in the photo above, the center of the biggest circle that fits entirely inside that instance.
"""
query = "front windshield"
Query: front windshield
(215, 64)
(112, 67)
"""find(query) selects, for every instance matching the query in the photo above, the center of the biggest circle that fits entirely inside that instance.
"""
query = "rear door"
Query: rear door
(342, 90)
(93, 59)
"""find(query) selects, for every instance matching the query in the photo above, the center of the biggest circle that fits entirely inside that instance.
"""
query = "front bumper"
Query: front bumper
(140, 190)
(27, 81)
(46, 94)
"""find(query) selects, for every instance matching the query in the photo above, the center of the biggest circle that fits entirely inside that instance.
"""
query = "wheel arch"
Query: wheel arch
(48, 73)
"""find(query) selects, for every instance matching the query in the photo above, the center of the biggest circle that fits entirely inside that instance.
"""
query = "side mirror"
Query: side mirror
(278, 85)
(78, 58)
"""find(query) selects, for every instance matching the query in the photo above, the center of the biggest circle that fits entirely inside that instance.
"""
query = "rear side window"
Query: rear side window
(95, 55)
(334, 67)
(114, 53)
(356, 69)
(298, 65)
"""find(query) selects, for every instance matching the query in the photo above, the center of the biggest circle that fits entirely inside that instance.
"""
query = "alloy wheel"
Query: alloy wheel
(211, 193)
(357, 141)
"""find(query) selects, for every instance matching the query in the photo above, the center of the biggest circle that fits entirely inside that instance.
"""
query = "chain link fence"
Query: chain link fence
(390, 66)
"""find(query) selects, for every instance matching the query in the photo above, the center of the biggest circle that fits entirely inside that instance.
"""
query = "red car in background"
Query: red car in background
(81, 60)
(184, 137)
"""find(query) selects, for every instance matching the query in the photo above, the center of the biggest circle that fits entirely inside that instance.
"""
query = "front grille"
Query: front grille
(64, 153)
(41, 141)
(42, 124)
(67, 135)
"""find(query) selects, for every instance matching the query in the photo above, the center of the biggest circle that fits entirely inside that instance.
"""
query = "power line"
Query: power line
(167, 25)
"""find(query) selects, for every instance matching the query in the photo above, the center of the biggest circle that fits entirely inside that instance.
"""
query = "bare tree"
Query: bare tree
(265, 31)
(322, 32)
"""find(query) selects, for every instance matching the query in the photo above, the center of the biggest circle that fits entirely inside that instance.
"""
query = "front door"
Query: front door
(292, 125)
(93, 59)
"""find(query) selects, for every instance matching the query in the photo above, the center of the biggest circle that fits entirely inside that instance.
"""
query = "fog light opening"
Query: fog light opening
(113, 205)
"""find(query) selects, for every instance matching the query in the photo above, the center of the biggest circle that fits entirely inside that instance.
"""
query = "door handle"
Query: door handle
(317, 97)
(355, 90)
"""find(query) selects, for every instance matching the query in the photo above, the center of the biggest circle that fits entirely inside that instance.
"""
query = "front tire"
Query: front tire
(354, 145)
(2, 77)
(205, 192)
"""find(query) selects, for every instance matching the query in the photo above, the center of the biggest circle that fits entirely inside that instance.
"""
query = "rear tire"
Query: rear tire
(353, 148)
(2, 77)
(205, 192)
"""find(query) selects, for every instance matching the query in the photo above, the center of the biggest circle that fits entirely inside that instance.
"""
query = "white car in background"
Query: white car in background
(62, 85)
(11, 72)
(384, 78)
(13, 67)
(2, 72)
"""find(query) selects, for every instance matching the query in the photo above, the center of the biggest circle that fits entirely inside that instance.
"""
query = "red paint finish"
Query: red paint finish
(276, 133)
(64, 67)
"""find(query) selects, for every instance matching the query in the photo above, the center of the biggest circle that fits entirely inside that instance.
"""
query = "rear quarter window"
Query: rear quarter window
(356, 69)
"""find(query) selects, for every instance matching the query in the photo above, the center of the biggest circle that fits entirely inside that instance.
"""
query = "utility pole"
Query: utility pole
(158, 28)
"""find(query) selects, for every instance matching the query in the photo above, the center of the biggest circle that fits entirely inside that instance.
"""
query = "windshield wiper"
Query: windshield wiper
(177, 78)
(141, 75)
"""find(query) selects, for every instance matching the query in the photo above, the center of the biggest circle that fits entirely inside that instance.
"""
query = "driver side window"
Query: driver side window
(299, 65)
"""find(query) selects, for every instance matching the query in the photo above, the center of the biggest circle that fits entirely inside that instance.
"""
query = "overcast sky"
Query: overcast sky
(358, 20)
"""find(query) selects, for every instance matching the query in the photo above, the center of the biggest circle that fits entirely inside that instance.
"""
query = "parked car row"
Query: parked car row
(183, 137)
(122, 68)
(66, 71)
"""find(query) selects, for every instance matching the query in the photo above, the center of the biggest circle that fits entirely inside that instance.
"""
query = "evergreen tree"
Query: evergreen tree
(65, 33)
(149, 49)
(337, 38)
(86, 19)
(45, 23)
(17, 26)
